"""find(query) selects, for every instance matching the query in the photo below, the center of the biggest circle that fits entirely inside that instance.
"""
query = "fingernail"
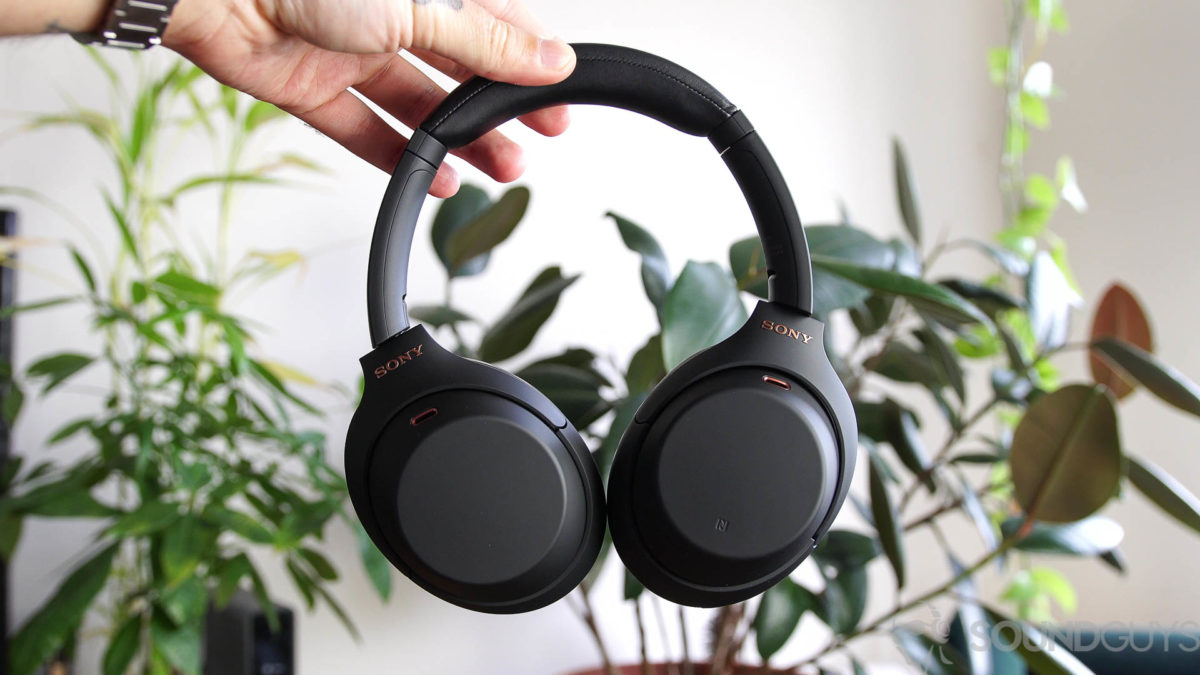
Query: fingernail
(555, 55)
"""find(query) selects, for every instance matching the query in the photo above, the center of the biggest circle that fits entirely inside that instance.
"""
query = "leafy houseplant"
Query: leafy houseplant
(196, 456)
(1031, 484)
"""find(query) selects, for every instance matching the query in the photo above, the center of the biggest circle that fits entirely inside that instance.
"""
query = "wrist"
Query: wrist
(193, 21)
(51, 16)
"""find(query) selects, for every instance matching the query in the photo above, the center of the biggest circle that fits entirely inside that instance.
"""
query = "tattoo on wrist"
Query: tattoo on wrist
(54, 27)
(452, 4)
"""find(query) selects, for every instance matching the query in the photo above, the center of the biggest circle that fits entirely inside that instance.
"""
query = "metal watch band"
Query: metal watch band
(132, 24)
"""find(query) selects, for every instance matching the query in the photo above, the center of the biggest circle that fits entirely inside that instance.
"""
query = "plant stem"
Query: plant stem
(641, 628)
(656, 603)
(727, 621)
(839, 642)
(588, 616)
(940, 458)
(687, 655)
(1011, 164)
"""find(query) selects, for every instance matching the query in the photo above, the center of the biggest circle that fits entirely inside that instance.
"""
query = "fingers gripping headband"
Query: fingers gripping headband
(604, 75)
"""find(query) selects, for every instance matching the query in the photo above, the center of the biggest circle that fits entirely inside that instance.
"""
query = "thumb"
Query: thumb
(467, 33)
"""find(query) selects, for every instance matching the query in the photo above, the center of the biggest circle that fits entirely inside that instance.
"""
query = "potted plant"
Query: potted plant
(198, 452)
(1031, 481)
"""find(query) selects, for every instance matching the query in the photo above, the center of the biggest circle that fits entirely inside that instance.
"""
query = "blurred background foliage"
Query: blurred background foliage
(200, 451)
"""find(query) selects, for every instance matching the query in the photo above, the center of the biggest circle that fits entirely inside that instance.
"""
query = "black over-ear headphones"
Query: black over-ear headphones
(475, 486)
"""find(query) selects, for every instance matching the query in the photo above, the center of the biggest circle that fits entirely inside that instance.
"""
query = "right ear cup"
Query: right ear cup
(732, 469)
(477, 488)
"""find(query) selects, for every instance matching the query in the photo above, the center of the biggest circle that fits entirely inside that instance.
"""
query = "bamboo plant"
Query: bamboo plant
(201, 460)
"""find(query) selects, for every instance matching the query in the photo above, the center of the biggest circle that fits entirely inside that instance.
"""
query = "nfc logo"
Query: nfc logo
(721, 525)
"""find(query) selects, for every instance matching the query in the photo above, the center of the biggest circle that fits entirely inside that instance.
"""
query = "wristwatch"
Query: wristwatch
(132, 24)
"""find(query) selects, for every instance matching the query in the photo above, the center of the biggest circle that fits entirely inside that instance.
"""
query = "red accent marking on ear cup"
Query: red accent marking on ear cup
(776, 381)
(421, 417)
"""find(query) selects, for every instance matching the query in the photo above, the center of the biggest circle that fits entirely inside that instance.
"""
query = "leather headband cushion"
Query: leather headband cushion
(604, 75)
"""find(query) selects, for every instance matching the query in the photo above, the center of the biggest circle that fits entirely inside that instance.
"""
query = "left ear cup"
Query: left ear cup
(472, 483)
(735, 466)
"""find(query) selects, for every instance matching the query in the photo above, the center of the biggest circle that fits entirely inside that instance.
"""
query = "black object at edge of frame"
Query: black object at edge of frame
(8, 228)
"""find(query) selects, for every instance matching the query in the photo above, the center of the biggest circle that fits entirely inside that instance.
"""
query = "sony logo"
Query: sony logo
(781, 329)
(398, 361)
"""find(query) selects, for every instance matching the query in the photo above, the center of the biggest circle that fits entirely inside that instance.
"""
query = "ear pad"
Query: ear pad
(728, 476)
(477, 495)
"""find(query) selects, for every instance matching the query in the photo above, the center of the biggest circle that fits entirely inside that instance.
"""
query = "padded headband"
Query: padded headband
(604, 75)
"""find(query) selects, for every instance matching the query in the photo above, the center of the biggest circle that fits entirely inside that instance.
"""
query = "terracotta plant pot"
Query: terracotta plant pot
(672, 669)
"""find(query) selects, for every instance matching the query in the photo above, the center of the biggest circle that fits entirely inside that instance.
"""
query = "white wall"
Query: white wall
(828, 85)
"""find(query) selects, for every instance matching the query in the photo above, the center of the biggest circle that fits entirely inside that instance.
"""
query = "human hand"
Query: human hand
(305, 56)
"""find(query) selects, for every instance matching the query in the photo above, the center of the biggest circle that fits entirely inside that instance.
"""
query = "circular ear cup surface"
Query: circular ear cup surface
(720, 495)
(487, 504)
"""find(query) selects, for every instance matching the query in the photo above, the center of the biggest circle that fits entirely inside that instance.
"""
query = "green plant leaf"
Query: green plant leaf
(183, 547)
(852, 245)
(58, 368)
(303, 582)
(944, 359)
(184, 287)
(646, 368)
(378, 569)
(779, 613)
(1010, 261)
(186, 602)
(265, 604)
(625, 412)
(1167, 493)
(319, 563)
(930, 298)
(179, 645)
(1066, 454)
(883, 512)
(702, 309)
(574, 390)
(58, 619)
(69, 429)
(991, 300)
(74, 504)
(453, 215)
(12, 310)
(633, 588)
(1040, 652)
(1051, 299)
(514, 331)
(260, 113)
(148, 518)
(903, 433)
(928, 655)
(438, 315)
(905, 196)
(239, 523)
(11, 402)
(123, 647)
(487, 229)
(229, 575)
(902, 363)
(145, 116)
(748, 262)
(1091, 536)
(845, 549)
(844, 600)
(1164, 381)
(830, 292)
(656, 274)
(10, 534)
(978, 515)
